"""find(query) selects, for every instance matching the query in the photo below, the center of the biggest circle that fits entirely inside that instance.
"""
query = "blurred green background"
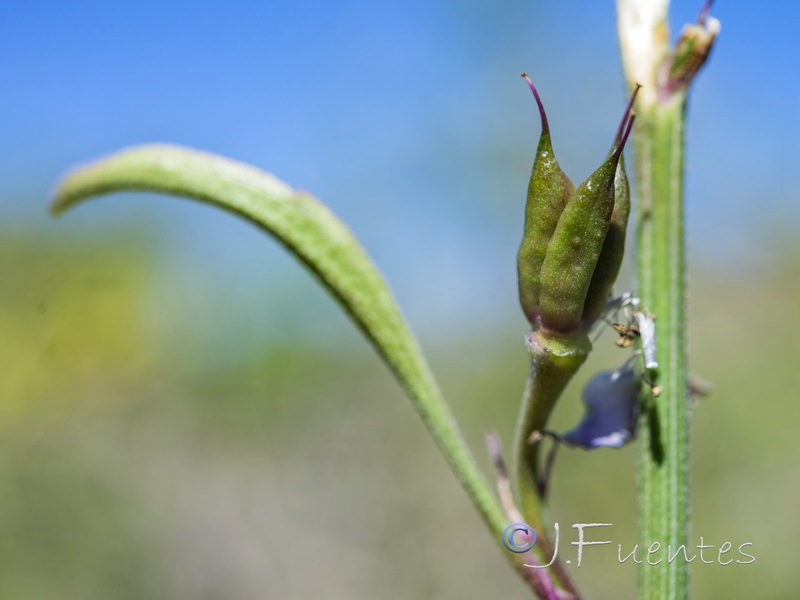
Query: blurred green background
(184, 414)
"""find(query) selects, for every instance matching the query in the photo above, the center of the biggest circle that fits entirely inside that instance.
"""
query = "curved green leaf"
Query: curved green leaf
(322, 242)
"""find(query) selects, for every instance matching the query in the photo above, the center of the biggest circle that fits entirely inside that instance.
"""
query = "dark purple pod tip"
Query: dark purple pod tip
(611, 401)
(628, 115)
(542, 114)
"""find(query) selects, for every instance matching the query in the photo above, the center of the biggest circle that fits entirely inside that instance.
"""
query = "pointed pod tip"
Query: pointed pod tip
(621, 145)
(542, 114)
(627, 115)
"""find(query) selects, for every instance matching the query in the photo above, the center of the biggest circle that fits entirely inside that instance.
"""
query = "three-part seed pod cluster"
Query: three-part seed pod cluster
(574, 238)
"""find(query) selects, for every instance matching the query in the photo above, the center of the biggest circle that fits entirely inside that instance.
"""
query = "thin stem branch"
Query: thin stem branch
(553, 364)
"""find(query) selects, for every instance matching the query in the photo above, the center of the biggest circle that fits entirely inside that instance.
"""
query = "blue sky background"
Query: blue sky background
(408, 119)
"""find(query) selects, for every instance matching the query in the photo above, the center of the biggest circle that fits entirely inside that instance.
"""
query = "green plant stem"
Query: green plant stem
(553, 364)
(663, 452)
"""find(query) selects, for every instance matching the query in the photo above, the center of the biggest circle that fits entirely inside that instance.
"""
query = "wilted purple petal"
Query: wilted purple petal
(611, 401)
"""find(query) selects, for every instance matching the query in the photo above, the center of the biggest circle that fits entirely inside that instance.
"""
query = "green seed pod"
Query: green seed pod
(548, 192)
(576, 245)
(610, 260)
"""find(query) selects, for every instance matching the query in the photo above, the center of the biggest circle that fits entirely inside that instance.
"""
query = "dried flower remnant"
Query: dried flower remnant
(690, 53)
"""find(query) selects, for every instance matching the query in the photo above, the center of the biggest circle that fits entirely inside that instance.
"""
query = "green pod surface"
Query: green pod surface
(548, 192)
(610, 260)
(575, 247)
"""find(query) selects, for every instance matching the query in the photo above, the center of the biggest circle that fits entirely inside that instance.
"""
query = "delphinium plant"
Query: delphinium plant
(571, 251)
